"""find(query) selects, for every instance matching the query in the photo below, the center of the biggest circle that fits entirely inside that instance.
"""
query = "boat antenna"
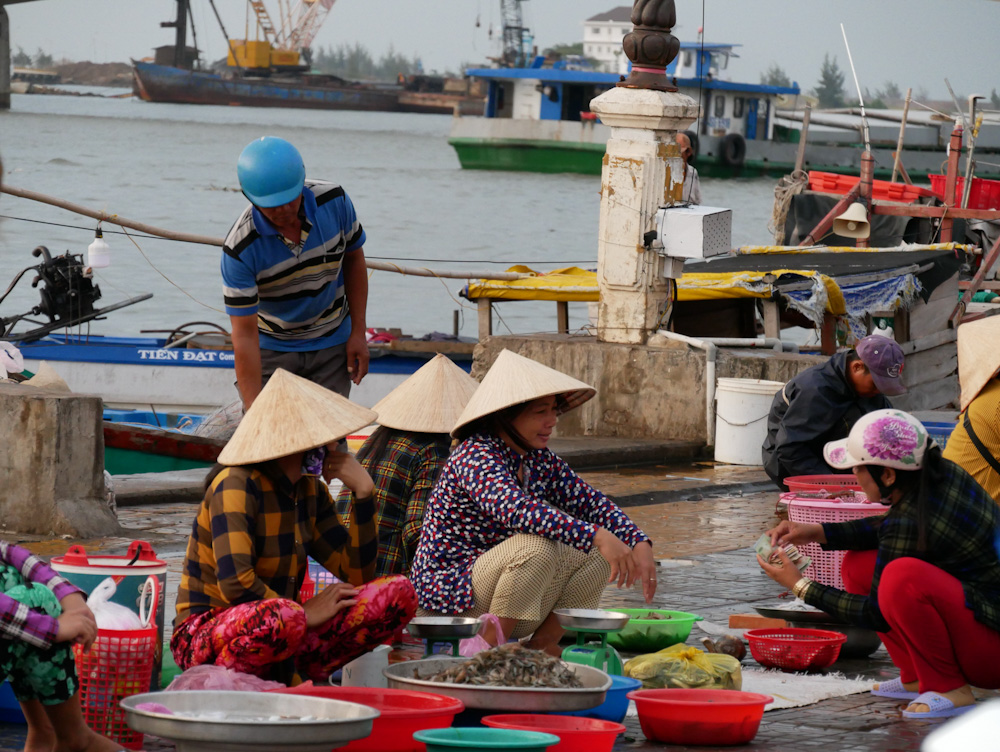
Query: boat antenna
(861, 100)
(958, 107)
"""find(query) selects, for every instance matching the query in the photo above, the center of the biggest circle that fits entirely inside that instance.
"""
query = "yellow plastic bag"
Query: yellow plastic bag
(687, 668)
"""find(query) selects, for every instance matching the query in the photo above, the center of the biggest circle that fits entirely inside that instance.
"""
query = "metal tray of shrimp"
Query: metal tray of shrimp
(591, 619)
(443, 627)
(413, 675)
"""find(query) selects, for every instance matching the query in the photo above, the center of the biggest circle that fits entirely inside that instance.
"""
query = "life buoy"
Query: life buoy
(693, 138)
(733, 150)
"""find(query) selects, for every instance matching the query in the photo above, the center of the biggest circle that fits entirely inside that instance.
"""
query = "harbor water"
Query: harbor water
(174, 167)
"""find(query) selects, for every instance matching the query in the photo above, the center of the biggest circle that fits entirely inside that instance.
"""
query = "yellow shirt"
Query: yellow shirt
(984, 414)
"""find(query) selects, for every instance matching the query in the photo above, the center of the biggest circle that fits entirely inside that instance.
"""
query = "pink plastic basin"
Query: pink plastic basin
(575, 734)
(403, 712)
(716, 717)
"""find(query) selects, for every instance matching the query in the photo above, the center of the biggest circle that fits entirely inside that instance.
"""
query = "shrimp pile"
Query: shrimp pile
(511, 665)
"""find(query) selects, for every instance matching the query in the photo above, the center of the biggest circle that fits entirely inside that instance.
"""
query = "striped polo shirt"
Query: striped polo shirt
(297, 294)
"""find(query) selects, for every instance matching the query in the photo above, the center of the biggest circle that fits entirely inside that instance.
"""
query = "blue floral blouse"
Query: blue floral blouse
(478, 503)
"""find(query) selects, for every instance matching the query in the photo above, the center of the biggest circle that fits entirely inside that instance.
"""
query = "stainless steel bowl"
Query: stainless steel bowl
(591, 619)
(413, 675)
(443, 627)
(333, 723)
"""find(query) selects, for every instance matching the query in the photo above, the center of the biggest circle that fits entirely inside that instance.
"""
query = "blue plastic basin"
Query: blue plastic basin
(615, 705)
(10, 710)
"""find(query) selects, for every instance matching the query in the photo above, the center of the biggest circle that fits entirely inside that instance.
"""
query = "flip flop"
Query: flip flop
(940, 707)
(894, 688)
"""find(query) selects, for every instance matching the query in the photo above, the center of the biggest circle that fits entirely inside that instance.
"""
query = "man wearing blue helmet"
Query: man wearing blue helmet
(294, 275)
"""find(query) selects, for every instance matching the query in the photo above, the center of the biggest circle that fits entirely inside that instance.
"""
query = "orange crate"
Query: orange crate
(882, 190)
(985, 194)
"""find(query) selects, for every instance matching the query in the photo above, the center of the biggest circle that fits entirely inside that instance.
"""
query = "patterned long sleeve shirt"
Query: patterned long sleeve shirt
(17, 621)
(403, 478)
(254, 531)
(963, 525)
(478, 503)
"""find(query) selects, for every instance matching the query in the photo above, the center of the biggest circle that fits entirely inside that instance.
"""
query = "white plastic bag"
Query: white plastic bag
(111, 615)
(476, 644)
(11, 360)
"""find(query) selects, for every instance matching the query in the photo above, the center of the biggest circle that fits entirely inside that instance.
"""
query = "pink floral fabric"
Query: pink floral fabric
(254, 637)
(891, 438)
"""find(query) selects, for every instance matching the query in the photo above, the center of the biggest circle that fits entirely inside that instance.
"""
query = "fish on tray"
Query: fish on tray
(510, 665)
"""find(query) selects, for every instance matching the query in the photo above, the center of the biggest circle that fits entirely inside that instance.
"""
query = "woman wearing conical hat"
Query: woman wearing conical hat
(264, 512)
(510, 529)
(974, 444)
(407, 451)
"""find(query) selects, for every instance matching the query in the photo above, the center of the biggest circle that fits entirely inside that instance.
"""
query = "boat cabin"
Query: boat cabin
(563, 91)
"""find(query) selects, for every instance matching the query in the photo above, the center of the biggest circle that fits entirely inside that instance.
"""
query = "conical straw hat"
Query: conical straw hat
(47, 378)
(292, 414)
(513, 379)
(978, 356)
(430, 400)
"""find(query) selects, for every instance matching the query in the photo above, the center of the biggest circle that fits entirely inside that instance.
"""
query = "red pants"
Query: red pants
(935, 639)
(253, 637)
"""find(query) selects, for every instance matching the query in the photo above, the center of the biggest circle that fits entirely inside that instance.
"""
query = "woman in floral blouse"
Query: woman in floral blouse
(926, 574)
(510, 529)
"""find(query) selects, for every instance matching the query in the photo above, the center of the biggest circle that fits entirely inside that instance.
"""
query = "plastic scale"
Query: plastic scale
(589, 623)
(449, 630)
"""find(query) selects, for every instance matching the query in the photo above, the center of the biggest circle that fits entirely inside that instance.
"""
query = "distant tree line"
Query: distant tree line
(356, 62)
(831, 90)
(41, 59)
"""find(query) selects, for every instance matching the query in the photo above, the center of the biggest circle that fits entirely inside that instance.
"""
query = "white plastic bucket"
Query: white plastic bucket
(741, 410)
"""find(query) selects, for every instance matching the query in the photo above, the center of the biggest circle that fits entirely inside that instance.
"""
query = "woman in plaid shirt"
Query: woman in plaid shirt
(406, 453)
(262, 515)
(926, 574)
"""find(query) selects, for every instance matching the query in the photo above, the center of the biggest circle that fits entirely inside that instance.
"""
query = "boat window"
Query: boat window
(722, 59)
(738, 103)
(720, 105)
(688, 59)
(595, 30)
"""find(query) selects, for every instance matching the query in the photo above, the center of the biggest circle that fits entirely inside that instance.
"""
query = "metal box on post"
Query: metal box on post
(694, 231)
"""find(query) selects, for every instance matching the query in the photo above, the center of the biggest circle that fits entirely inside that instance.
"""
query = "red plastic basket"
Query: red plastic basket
(792, 649)
(825, 567)
(832, 483)
(118, 665)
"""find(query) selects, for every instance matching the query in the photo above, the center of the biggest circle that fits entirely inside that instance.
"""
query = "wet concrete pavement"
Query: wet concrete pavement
(704, 520)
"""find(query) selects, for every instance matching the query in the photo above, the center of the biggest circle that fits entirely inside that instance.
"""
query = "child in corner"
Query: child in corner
(41, 615)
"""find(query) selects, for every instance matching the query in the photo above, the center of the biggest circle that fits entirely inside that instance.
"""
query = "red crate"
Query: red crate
(832, 483)
(792, 649)
(882, 190)
(985, 194)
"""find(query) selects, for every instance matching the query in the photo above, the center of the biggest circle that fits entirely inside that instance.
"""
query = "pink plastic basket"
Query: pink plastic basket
(825, 567)
(831, 483)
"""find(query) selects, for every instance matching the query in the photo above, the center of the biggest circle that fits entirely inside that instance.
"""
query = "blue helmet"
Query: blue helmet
(271, 172)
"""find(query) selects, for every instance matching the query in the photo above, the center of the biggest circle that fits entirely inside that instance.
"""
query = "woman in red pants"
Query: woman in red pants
(926, 574)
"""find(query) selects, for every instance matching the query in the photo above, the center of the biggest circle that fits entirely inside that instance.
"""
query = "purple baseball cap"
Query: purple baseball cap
(884, 359)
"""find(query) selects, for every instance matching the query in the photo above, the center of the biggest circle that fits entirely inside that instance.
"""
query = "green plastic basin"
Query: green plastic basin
(649, 635)
(475, 739)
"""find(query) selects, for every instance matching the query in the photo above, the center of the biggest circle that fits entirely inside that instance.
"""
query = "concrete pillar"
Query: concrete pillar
(52, 464)
(4, 59)
(642, 171)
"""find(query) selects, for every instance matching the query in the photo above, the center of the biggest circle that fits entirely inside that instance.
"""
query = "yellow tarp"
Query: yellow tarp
(572, 284)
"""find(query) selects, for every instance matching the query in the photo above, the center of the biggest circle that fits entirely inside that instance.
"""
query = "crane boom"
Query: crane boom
(514, 34)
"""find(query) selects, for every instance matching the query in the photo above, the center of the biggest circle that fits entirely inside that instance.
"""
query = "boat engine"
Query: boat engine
(68, 292)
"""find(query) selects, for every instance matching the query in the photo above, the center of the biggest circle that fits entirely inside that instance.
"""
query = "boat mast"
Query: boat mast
(180, 38)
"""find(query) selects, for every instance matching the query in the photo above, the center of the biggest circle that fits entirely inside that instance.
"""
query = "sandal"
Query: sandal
(894, 688)
(940, 707)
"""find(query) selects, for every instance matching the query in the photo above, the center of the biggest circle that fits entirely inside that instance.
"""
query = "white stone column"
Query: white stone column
(642, 171)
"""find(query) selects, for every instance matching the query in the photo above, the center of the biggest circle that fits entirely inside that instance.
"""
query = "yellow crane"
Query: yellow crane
(282, 45)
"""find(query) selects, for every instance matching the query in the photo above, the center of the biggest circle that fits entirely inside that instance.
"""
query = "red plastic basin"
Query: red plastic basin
(575, 734)
(403, 712)
(699, 716)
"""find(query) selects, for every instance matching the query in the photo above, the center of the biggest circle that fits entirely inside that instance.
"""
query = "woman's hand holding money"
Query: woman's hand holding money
(797, 533)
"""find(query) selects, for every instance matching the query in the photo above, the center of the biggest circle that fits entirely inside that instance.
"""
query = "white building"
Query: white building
(602, 39)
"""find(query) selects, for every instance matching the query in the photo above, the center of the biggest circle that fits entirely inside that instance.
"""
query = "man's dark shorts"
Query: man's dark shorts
(324, 367)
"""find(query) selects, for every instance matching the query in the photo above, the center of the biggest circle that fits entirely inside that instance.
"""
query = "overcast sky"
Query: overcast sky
(914, 43)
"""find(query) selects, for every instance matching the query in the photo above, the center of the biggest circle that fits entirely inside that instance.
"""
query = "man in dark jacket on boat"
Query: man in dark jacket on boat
(294, 275)
(822, 403)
